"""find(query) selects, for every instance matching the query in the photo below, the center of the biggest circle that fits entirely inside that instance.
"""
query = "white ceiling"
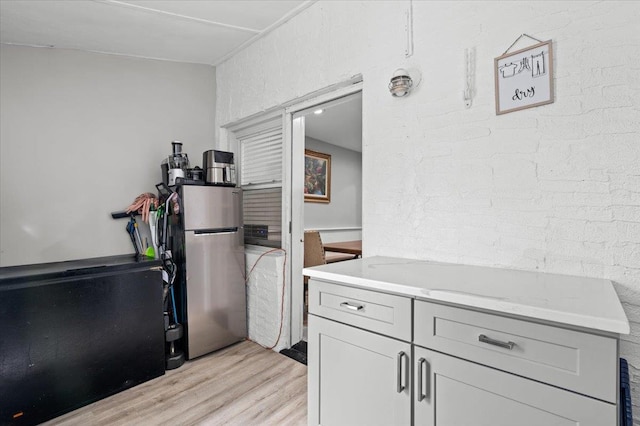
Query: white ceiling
(203, 32)
(200, 31)
(339, 124)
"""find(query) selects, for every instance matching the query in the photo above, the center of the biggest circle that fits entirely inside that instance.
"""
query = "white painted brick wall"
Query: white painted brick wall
(554, 188)
(264, 299)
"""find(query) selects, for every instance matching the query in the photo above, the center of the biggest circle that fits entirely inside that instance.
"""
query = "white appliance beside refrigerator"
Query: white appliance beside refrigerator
(209, 247)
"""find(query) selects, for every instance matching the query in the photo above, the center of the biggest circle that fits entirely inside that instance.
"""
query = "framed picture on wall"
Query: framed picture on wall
(524, 78)
(317, 177)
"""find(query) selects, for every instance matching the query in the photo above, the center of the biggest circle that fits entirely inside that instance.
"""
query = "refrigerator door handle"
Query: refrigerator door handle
(215, 231)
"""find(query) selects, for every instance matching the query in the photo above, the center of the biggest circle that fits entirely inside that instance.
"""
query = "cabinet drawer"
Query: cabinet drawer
(382, 313)
(574, 360)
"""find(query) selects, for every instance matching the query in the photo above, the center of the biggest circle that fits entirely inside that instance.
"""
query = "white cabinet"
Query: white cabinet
(582, 362)
(358, 377)
(383, 359)
(453, 392)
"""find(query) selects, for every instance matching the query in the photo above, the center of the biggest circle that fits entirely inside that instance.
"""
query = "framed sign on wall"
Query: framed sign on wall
(317, 177)
(524, 78)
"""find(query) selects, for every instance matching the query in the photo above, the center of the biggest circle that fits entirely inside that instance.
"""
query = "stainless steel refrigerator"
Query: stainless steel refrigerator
(209, 248)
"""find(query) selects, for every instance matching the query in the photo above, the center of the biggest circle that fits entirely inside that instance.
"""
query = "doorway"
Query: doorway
(331, 126)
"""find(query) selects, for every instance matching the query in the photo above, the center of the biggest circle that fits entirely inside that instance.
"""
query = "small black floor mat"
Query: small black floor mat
(297, 352)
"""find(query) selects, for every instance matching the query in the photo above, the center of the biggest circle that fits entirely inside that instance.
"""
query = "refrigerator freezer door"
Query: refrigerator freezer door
(215, 287)
(211, 207)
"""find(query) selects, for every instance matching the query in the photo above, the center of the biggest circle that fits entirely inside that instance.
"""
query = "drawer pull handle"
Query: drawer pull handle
(401, 387)
(484, 339)
(421, 395)
(352, 307)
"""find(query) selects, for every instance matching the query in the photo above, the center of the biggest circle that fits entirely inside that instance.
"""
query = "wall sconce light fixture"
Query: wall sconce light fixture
(401, 83)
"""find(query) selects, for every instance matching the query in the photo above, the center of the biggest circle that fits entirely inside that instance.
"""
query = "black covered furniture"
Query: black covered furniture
(75, 332)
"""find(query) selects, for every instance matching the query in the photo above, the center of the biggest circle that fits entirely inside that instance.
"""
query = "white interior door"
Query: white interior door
(297, 227)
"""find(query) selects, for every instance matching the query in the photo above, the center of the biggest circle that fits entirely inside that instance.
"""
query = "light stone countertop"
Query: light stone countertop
(578, 301)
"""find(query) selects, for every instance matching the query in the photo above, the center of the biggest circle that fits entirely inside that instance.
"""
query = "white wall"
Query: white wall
(345, 208)
(82, 135)
(554, 188)
(267, 307)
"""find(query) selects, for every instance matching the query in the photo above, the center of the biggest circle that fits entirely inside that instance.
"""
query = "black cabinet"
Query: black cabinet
(75, 332)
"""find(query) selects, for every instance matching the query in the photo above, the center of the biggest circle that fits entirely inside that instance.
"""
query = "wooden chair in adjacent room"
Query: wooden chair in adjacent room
(315, 255)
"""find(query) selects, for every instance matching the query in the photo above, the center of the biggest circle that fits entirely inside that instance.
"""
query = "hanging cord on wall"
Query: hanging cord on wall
(284, 280)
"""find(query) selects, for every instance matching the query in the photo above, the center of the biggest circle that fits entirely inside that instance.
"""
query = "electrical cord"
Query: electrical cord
(284, 267)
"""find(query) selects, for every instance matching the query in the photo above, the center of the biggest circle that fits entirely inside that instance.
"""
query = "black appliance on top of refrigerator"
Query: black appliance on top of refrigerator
(207, 241)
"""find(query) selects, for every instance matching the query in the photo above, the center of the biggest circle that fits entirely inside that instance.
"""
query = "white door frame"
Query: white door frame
(293, 209)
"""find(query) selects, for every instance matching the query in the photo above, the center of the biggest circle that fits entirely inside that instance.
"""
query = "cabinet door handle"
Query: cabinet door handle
(421, 372)
(352, 307)
(484, 339)
(401, 355)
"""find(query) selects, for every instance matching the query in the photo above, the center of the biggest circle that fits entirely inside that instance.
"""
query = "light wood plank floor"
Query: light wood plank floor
(244, 384)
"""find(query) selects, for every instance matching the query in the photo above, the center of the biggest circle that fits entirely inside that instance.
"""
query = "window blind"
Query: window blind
(263, 217)
(261, 180)
(261, 158)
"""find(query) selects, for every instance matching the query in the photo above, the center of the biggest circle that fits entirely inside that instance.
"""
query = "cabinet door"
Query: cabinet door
(453, 392)
(357, 377)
